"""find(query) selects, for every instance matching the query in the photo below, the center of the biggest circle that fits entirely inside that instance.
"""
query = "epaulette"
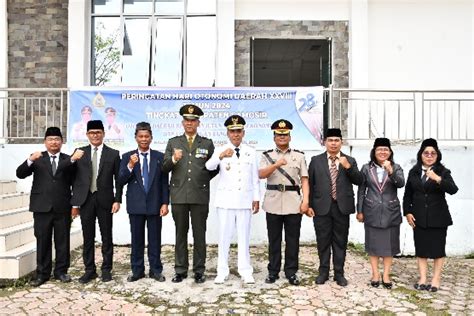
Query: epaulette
(268, 151)
(299, 151)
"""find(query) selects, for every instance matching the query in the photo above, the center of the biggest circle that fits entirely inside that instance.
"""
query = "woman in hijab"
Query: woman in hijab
(379, 208)
(426, 210)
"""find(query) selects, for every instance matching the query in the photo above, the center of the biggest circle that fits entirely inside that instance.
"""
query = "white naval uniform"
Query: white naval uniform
(238, 187)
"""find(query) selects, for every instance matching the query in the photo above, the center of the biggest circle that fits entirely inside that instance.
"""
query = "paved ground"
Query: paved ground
(148, 296)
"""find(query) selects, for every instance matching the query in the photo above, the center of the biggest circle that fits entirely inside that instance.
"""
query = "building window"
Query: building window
(164, 43)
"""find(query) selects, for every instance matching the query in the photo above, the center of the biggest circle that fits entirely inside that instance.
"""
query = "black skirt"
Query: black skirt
(382, 242)
(430, 242)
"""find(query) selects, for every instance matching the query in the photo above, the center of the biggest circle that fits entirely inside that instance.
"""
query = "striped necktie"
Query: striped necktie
(333, 172)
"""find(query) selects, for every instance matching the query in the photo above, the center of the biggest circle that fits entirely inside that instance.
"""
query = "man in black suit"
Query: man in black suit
(331, 198)
(53, 174)
(94, 198)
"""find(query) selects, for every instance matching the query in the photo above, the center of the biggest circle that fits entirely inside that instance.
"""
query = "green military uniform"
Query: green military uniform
(189, 197)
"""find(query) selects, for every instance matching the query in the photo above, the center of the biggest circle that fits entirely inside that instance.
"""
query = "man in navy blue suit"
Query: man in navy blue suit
(147, 202)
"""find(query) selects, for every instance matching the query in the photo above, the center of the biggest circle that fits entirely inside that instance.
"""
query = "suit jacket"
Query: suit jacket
(239, 184)
(320, 185)
(379, 201)
(139, 202)
(107, 176)
(189, 177)
(427, 201)
(49, 192)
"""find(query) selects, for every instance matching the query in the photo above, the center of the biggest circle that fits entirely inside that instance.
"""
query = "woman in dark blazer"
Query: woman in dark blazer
(379, 208)
(426, 210)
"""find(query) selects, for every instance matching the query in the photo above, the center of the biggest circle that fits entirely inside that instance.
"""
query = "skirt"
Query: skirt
(382, 242)
(430, 242)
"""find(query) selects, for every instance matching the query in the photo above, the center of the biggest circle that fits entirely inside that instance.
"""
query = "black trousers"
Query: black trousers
(198, 214)
(89, 212)
(291, 224)
(46, 226)
(332, 230)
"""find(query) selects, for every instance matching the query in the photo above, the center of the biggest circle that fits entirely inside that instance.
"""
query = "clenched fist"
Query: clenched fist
(177, 154)
(78, 153)
(34, 156)
(132, 161)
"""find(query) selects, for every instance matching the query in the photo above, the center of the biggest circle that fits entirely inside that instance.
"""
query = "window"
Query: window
(165, 43)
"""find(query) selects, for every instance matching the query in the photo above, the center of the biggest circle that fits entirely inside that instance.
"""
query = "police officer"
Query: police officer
(185, 157)
(286, 199)
(237, 196)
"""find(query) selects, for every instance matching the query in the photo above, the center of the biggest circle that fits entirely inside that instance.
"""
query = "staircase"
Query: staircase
(17, 240)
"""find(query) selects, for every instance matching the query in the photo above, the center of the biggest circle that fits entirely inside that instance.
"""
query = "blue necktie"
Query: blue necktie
(145, 171)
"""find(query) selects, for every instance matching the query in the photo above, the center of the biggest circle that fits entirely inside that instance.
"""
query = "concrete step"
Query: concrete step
(21, 261)
(7, 186)
(15, 217)
(16, 236)
(14, 200)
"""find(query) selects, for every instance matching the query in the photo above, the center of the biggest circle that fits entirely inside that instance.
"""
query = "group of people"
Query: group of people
(89, 184)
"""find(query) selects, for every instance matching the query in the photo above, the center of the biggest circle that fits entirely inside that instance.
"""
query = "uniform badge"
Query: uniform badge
(228, 166)
(201, 152)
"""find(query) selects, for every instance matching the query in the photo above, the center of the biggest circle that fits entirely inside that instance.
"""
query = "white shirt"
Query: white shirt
(337, 160)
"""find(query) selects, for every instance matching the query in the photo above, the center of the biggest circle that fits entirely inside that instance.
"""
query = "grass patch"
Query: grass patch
(470, 256)
(423, 304)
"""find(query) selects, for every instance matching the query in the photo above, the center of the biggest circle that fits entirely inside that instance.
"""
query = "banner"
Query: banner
(121, 108)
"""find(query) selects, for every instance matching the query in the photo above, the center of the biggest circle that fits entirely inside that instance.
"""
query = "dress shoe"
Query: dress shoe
(248, 279)
(38, 281)
(321, 279)
(220, 279)
(106, 276)
(340, 280)
(199, 278)
(87, 277)
(433, 289)
(65, 278)
(158, 277)
(293, 280)
(374, 283)
(420, 287)
(387, 285)
(134, 277)
(271, 278)
(179, 277)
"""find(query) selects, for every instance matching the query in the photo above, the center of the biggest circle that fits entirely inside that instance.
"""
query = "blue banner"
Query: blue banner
(121, 108)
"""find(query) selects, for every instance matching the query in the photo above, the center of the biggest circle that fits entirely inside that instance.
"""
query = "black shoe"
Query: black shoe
(374, 283)
(158, 277)
(199, 277)
(87, 277)
(321, 279)
(38, 281)
(420, 287)
(133, 277)
(340, 280)
(294, 280)
(432, 288)
(271, 278)
(387, 285)
(65, 278)
(179, 277)
(106, 276)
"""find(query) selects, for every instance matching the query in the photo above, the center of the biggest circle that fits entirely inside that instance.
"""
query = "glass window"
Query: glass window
(167, 53)
(106, 6)
(169, 7)
(201, 53)
(135, 55)
(201, 6)
(106, 51)
(138, 6)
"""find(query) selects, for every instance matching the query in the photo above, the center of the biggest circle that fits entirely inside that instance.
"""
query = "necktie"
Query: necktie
(53, 165)
(190, 142)
(94, 171)
(237, 152)
(424, 177)
(333, 172)
(145, 171)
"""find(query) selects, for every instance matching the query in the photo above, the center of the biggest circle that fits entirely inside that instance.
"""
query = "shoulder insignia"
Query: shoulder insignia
(299, 151)
(268, 151)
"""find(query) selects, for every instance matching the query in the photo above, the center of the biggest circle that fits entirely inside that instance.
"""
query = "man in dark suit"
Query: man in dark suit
(331, 198)
(93, 198)
(147, 202)
(53, 174)
(185, 157)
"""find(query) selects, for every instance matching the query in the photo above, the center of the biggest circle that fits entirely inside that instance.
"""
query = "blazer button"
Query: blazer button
(190, 154)
(189, 179)
(189, 170)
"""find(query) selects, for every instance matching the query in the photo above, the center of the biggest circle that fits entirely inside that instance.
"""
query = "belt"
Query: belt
(282, 187)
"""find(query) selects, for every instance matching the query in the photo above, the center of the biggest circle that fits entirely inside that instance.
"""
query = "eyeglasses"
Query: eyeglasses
(381, 149)
(430, 153)
(94, 133)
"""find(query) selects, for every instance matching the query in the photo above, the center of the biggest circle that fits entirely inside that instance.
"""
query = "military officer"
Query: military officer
(237, 196)
(185, 158)
(286, 199)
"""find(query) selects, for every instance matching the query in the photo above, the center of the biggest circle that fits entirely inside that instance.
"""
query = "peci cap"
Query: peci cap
(282, 127)
(95, 124)
(234, 122)
(53, 131)
(382, 142)
(191, 112)
(333, 132)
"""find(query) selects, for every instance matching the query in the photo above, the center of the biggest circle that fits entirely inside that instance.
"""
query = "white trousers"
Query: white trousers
(229, 219)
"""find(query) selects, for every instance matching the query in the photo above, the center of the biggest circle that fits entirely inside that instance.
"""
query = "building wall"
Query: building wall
(37, 43)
